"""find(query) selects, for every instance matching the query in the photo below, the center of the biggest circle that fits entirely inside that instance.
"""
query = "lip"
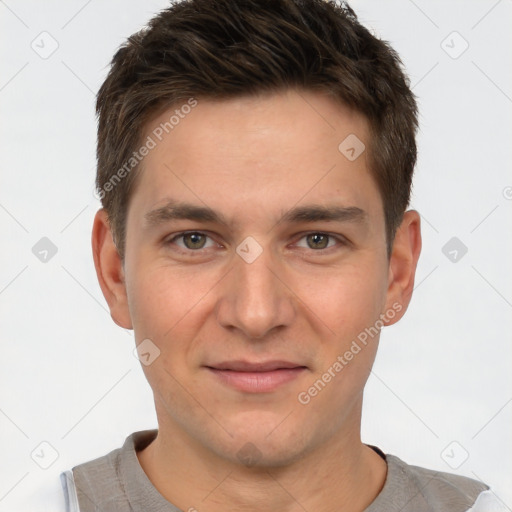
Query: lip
(262, 366)
(260, 377)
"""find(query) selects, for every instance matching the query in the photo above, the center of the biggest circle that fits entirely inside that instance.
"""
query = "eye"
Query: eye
(320, 241)
(195, 241)
(192, 240)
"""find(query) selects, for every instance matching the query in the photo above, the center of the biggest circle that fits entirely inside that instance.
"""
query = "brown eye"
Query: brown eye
(194, 240)
(192, 244)
(317, 240)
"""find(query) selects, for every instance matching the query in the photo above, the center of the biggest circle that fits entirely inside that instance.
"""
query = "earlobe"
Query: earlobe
(109, 269)
(402, 265)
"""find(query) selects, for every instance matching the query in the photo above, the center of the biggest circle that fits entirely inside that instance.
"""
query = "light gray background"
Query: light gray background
(68, 374)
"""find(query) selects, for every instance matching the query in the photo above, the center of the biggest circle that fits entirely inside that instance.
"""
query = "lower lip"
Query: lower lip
(258, 382)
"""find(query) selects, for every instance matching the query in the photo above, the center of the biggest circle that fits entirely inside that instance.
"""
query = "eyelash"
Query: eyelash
(341, 241)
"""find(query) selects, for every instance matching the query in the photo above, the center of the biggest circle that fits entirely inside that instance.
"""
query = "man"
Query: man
(255, 160)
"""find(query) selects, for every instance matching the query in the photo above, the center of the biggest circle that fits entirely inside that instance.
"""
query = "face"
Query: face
(256, 265)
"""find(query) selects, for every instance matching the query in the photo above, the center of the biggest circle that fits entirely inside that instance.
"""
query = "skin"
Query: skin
(252, 159)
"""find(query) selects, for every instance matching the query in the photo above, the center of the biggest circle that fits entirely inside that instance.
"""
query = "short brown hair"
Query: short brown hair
(219, 49)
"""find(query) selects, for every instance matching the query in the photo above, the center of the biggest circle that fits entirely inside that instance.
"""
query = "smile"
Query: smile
(256, 377)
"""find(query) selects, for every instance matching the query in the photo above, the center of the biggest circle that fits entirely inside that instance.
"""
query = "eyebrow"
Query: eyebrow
(317, 213)
(174, 210)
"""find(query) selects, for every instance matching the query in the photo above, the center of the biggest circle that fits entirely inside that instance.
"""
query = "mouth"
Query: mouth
(256, 377)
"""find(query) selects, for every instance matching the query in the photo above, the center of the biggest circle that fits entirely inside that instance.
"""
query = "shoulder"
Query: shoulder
(92, 482)
(101, 481)
(411, 488)
(432, 484)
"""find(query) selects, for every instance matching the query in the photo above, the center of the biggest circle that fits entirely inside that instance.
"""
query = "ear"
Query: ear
(109, 269)
(402, 265)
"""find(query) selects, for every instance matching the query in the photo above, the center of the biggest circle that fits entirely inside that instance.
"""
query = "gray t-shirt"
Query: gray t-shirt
(116, 482)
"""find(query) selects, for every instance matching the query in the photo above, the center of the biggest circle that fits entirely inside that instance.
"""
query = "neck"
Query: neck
(341, 474)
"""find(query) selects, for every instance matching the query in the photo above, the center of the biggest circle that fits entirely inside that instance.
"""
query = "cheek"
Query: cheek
(348, 299)
(162, 298)
(169, 306)
(349, 307)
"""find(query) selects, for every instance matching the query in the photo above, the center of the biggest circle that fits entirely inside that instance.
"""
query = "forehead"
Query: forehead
(270, 150)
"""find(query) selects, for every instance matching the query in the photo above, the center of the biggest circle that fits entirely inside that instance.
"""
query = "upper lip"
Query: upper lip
(246, 366)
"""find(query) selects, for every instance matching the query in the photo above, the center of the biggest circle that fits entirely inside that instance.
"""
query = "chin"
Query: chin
(264, 455)
(266, 443)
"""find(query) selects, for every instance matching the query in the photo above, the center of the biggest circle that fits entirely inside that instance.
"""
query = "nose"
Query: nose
(255, 298)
